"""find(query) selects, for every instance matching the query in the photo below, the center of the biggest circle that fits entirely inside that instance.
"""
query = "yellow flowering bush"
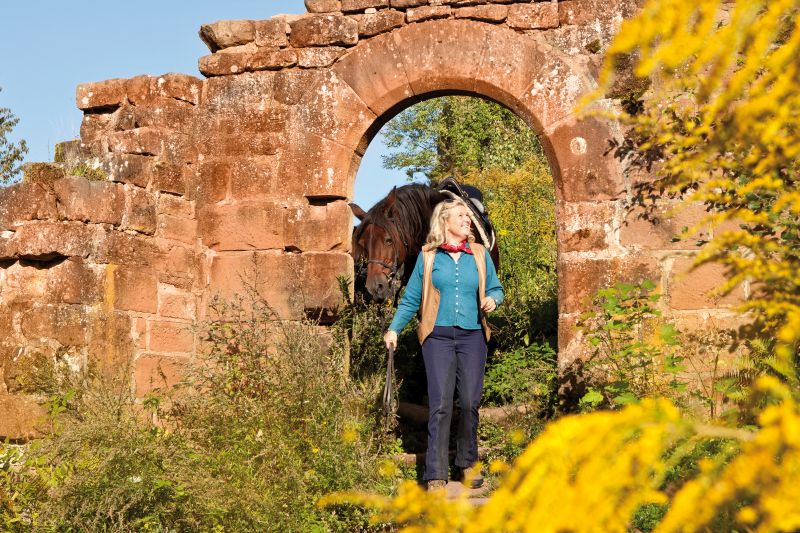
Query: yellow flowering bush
(720, 124)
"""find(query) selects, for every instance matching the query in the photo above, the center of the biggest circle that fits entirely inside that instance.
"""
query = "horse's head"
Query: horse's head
(379, 245)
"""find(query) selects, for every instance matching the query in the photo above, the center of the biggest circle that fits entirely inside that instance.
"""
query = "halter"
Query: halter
(395, 270)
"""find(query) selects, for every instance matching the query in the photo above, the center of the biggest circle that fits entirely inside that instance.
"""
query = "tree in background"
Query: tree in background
(11, 154)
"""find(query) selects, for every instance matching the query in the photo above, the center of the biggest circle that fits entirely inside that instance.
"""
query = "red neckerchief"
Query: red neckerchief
(452, 248)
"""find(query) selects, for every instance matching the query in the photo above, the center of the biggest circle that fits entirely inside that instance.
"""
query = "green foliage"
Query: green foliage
(454, 135)
(265, 424)
(525, 376)
(631, 355)
(11, 154)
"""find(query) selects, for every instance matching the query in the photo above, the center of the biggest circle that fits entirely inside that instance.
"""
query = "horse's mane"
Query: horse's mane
(410, 213)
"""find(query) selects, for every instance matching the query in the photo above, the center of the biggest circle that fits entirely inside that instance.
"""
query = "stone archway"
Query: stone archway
(252, 168)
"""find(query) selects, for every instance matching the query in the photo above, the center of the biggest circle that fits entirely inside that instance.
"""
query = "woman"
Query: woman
(453, 285)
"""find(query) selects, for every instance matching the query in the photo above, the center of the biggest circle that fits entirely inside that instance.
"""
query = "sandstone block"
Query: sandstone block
(325, 227)
(141, 89)
(320, 288)
(171, 337)
(419, 14)
(23, 418)
(111, 342)
(585, 226)
(318, 57)
(168, 177)
(26, 201)
(135, 289)
(271, 33)
(161, 112)
(584, 168)
(44, 241)
(360, 5)
(125, 248)
(175, 303)
(177, 229)
(222, 64)
(180, 87)
(693, 288)
(108, 93)
(270, 59)
(128, 168)
(380, 22)
(141, 141)
(374, 70)
(74, 282)
(140, 211)
(580, 279)
(535, 16)
(663, 227)
(158, 372)
(66, 324)
(243, 227)
(93, 128)
(576, 12)
(254, 178)
(488, 13)
(324, 30)
(323, 6)
(175, 206)
(278, 278)
(316, 167)
(403, 4)
(226, 33)
(214, 176)
(90, 201)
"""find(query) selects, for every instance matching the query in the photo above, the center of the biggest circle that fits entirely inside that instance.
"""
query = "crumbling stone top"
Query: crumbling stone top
(318, 38)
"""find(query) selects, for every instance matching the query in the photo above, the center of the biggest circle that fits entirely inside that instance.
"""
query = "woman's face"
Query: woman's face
(457, 224)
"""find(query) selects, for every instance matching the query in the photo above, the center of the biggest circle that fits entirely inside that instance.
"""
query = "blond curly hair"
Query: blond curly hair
(437, 234)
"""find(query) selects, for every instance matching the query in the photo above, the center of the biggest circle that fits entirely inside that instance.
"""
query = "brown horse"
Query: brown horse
(390, 237)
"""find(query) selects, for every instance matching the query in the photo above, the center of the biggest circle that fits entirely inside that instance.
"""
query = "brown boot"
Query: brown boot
(436, 484)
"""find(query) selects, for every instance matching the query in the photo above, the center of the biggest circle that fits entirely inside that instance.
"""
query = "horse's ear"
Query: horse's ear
(357, 211)
(388, 204)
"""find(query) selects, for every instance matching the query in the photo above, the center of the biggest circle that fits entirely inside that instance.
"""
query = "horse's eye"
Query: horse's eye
(389, 240)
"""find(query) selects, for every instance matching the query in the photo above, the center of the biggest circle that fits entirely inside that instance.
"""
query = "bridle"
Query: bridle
(396, 271)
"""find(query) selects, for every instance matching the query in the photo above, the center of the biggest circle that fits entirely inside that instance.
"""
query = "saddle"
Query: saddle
(473, 197)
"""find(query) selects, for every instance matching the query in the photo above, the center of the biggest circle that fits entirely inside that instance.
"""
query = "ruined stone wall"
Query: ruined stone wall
(248, 173)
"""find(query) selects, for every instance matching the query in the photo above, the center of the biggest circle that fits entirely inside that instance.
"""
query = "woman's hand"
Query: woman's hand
(488, 304)
(390, 338)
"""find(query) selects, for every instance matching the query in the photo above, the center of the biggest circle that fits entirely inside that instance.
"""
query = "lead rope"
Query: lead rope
(389, 403)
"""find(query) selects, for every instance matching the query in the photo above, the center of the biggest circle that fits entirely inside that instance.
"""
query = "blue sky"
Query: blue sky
(51, 46)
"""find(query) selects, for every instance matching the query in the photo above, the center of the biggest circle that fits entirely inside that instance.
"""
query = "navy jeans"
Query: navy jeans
(455, 358)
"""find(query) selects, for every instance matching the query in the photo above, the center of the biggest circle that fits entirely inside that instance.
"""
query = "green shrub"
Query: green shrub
(264, 425)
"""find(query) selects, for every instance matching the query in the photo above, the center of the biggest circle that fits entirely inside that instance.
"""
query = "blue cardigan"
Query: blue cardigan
(457, 283)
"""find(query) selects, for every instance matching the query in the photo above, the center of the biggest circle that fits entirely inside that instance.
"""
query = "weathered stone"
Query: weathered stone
(488, 13)
(90, 201)
(243, 227)
(403, 4)
(323, 6)
(175, 206)
(135, 289)
(324, 30)
(42, 172)
(271, 33)
(269, 59)
(23, 417)
(168, 177)
(380, 22)
(226, 33)
(66, 324)
(111, 342)
(320, 289)
(140, 211)
(317, 57)
(44, 241)
(576, 12)
(325, 227)
(128, 168)
(141, 141)
(360, 5)
(419, 14)
(319, 168)
(140, 89)
(26, 201)
(693, 288)
(535, 16)
(584, 167)
(663, 227)
(102, 94)
(171, 337)
(374, 71)
(585, 226)
(75, 282)
(158, 372)
(177, 229)
(175, 303)
(580, 279)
